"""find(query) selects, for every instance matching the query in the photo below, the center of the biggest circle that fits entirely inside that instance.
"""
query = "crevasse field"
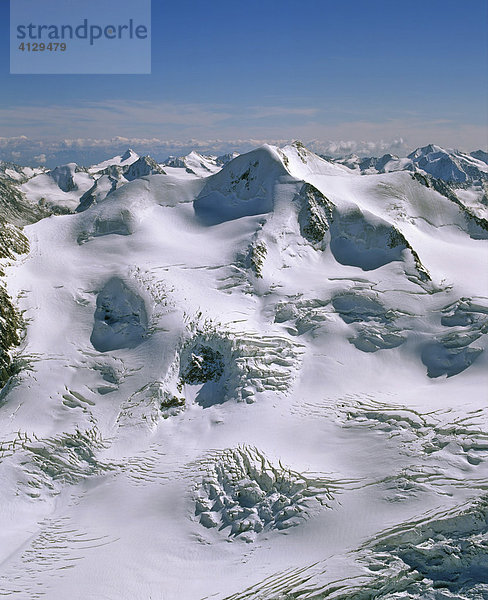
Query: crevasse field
(259, 378)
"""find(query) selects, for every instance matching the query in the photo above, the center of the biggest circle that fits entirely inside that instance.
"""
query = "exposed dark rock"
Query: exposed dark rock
(316, 213)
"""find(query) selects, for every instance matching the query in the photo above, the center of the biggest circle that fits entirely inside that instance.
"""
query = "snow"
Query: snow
(448, 165)
(266, 381)
(13, 174)
(121, 160)
(142, 167)
(195, 164)
(120, 318)
(61, 187)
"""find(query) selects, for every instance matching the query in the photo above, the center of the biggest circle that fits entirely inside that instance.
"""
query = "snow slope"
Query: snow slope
(268, 383)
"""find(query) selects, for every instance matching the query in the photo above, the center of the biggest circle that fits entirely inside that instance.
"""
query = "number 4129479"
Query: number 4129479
(41, 47)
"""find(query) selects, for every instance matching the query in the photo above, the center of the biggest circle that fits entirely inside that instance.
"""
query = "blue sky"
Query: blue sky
(276, 70)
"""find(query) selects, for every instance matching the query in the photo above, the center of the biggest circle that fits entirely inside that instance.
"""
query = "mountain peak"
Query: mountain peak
(145, 165)
(195, 163)
(129, 153)
(424, 150)
(300, 161)
(63, 176)
(480, 155)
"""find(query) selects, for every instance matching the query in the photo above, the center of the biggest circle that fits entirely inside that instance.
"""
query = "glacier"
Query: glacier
(257, 376)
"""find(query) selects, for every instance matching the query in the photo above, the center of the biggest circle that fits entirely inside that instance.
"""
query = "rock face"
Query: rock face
(102, 187)
(120, 318)
(205, 364)
(205, 367)
(10, 326)
(63, 176)
(15, 212)
(316, 213)
(129, 154)
(14, 208)
(256, 257)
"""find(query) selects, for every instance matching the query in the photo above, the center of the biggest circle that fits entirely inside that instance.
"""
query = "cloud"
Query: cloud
(164, 125)
(86, 151)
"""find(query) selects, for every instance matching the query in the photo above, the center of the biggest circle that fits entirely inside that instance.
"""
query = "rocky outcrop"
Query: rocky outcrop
(12, 242)
(63, 176)
(316, 213)
(15, 211)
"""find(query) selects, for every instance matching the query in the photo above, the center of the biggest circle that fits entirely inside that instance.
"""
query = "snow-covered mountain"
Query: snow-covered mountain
(194, 163)
(372, 165)
(145, 165)
(17, 173)
(480, 155)
(121, 160)
(267, 380)
(198, 164)
(70, 188)
(451, 166)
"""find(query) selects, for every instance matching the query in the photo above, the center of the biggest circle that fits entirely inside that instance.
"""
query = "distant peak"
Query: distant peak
(429, 149)
(480, 155)
(145, 165)
(432, 148)
(127, 154)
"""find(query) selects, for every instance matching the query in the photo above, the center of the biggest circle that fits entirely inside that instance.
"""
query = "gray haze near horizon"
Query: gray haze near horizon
(50, 153)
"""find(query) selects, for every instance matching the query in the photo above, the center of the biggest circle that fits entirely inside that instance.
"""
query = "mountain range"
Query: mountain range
(256, 376)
